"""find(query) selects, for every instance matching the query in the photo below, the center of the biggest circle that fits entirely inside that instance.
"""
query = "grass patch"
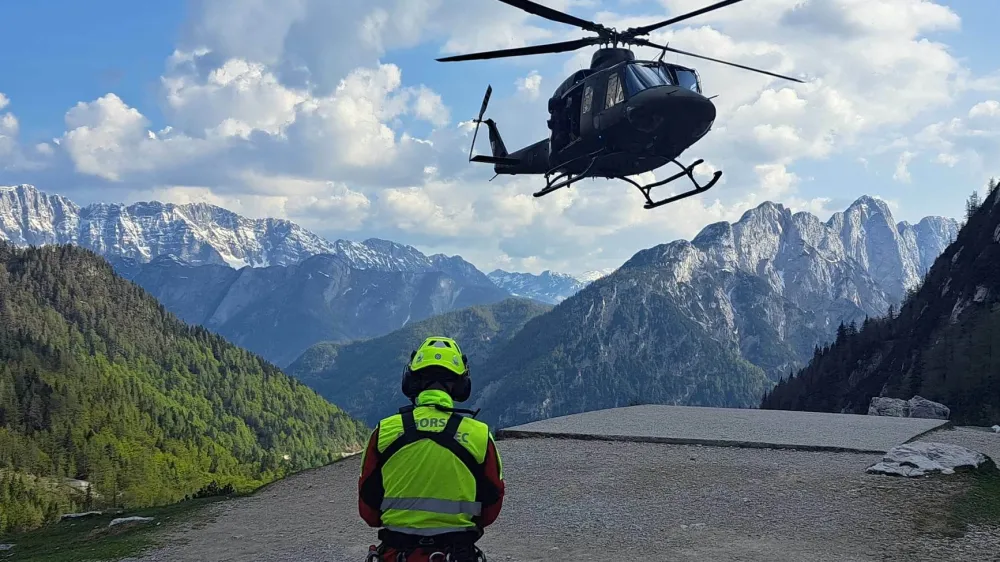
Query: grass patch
(980, 505)
(90, 538)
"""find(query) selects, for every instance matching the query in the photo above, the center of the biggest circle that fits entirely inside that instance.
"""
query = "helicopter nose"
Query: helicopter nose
(674, 109)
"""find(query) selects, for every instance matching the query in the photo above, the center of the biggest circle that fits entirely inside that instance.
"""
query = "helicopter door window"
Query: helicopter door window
(615, 93)
(588, 98)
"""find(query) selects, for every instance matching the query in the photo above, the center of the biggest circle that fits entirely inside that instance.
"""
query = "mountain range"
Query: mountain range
(548, 287)
(939, 345)
(279, 311)
(711, 321)
(762, 292)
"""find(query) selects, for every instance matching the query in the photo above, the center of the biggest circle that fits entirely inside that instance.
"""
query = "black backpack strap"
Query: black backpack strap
(410, 435)
(486, 492)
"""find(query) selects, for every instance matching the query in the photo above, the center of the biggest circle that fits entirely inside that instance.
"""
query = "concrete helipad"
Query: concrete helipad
(733, 427)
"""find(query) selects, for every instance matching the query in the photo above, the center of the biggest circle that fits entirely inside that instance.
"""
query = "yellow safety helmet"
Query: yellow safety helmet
(438, 358)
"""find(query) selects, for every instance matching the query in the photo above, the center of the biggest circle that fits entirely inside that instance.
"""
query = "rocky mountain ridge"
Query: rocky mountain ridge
(790, 279)
(937, 345)
(700, 322)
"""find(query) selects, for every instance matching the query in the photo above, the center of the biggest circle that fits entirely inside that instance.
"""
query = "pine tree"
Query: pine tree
(972, 205)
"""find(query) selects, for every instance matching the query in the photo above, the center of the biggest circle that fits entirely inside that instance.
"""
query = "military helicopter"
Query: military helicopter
(620, 117)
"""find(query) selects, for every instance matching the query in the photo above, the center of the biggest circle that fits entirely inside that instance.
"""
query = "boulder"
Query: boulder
(921, 458)
(881, 406)
(923, 408)
(916, 407)
(996, 428)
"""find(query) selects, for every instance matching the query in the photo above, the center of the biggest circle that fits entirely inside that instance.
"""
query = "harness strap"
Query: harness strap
(486, 492)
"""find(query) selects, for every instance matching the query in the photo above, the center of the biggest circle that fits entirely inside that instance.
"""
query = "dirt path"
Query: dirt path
(572, 500)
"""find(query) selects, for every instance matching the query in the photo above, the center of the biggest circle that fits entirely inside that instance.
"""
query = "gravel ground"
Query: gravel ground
(736, 426)
(600, 500)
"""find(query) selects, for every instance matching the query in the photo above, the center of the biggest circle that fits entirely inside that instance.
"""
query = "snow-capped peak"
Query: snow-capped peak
(197, 234)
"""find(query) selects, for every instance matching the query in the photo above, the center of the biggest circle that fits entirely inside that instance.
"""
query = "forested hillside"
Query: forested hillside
(944, 344)
(99, 383)
(363, 377)
(620, 341)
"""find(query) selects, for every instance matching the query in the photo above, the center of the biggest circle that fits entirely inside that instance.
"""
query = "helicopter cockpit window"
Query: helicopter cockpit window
(688, 79)
(588, 98)
(639, 77)
(615, 93)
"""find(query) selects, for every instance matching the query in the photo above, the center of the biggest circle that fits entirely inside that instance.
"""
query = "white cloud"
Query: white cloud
(235, 99)
(108, 139)
(988, 108)
(973, 141)
(8, 125)
(902, 173)
(530, 85)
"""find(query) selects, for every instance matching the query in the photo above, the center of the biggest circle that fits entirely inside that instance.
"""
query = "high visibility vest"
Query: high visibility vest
(431, 463)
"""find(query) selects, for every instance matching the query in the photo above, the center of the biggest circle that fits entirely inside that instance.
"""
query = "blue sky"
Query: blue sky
(296, 161)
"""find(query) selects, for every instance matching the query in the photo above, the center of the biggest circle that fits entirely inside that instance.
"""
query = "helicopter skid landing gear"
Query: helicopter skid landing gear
(686, 171)
(565, 179)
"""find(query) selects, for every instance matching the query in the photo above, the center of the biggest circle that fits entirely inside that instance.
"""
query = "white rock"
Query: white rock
(134, 519)
(996, 428)
(79, 515)
(921, 458)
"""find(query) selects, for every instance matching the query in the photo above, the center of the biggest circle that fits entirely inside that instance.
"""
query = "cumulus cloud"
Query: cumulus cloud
(8, 129)
(973, 140)
(530, 85)
(902, 172)
(988, 108)
(288, 109)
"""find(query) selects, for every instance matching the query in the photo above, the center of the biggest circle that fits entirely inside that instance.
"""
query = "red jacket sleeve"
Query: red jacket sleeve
(494, 473)
(370, 490)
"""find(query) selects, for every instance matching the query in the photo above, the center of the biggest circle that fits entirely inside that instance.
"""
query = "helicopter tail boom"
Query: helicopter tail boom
(500, 157)
(496, 143)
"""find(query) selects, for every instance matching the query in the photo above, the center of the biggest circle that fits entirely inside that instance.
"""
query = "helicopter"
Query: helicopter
(621, 117)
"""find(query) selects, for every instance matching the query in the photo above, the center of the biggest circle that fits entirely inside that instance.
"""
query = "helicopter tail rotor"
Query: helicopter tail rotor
(499, 151)
(479, 120)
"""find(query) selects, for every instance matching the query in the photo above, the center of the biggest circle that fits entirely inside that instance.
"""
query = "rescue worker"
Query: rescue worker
(431, 478)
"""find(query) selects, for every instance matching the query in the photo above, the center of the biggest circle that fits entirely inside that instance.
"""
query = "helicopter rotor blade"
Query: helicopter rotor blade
(644, 30)
(554, 15)
(750, 68)
(532, 50)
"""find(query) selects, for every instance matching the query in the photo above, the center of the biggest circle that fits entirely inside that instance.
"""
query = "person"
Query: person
(431, 478)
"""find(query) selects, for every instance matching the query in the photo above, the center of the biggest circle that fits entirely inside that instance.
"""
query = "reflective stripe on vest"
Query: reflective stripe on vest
(428, 532)
(448, 507)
